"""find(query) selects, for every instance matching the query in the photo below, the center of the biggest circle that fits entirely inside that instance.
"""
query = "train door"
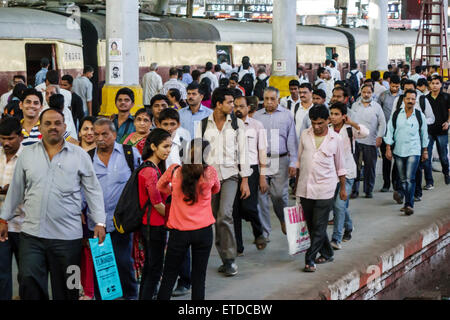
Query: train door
(329, 52)
(34, 52)
(224, 52)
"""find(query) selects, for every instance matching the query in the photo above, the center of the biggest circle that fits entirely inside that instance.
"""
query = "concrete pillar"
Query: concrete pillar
(161, 7)
(189, 8)
(378, 36)
(284, 50)
(122, 53)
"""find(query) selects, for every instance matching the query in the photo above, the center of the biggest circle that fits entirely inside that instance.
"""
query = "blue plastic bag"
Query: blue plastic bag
(106, 268)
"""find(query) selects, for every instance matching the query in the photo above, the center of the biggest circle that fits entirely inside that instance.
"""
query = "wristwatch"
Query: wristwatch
(101, 225)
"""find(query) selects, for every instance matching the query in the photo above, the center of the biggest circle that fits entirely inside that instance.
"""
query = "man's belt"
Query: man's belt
(277, 155)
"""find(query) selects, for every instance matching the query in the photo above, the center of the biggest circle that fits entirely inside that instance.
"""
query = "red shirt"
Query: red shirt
(147, 179)
(183, 216)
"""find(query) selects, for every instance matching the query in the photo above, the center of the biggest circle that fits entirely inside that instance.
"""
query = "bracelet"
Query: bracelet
(3, 222)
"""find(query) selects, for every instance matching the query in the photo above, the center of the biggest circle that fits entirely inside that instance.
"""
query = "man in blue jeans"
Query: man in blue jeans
(113, 165)
(438, 131)
(407, 129)
(349, 132)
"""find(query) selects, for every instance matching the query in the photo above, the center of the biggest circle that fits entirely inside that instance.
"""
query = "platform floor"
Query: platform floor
(273, 274)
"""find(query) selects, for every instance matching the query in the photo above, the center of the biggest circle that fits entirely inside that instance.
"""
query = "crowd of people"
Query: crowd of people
(208, 150)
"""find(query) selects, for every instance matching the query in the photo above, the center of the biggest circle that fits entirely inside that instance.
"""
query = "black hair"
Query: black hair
(169, 113)
(295, 83)
(87, 68)
(209, 66)
(10, 125)
(327, 62)
(375, 75)
(126, 91)
(90, 119)
(52, 77)
(32, 92)
(320, 71)
(366, 85)
(68, 78)
(205, 84)
(196, 74)
(343, 89)
(334, 55)
(418, 69)
(339, 83)
(18, 90)
(156, 137)
(407, 81)
(217, 68)
(20, 77)
(410, 91)
(395, 79)
(186, 69)
(174, 92)
(386, 75)
(342, 107)
(234, 78)
(422, 82)
(437, 78)
(159, 97)
(319, 111)
(219, 95)
(224, 82)
(173, 71)
(195, 86)
(236, 93)
(56, 101)
(45, 62)
(306, 85)
(41, 116)
(320, 93)
(141, 111)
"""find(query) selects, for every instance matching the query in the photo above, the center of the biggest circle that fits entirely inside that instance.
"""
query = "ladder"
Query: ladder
(428, 37)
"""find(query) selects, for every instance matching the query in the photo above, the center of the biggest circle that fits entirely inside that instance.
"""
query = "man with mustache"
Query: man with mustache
(368, 113)
(195, 111)
(11, 140)
(124, 121)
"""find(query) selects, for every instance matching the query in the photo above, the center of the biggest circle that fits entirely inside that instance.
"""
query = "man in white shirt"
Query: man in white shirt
(226, 68)
(210, 75)
(151, 83)
(173, 82)
(378, 87)
(331, 67)
(246, 67)
(354, 89)
(320, 83)
(68, 118)
(52, 79)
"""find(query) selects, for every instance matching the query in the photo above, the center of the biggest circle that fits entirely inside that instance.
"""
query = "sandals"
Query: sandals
(309, 268)
(322, 260)
(260, 243)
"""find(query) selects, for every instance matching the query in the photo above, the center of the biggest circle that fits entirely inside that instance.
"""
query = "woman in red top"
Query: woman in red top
(156, 150)
(190, 218)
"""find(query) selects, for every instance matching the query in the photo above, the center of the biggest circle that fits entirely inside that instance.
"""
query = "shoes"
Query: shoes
(335, 245)
(384, 189)
(409, 211)
(447, 180)
(417, 199)
(402, 209)
(398, 197)
(347, 236)
(283, 227)
(369, 195)
(230, 269)
(180, 291)
(354, 195)
(260, 242)
(240, 254)
(428, 187)
(331, 222)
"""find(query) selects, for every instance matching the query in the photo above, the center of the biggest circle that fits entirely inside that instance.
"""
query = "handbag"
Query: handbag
(296, 230)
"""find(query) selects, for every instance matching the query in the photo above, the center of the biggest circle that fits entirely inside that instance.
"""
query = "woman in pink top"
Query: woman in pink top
(190, 218)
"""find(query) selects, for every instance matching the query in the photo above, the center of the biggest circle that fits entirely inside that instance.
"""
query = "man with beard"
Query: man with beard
(195, 111)
(368, 113)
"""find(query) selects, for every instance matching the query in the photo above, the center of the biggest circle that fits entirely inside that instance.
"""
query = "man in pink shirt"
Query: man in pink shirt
(320, 167)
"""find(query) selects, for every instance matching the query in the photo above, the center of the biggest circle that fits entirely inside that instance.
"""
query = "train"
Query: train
(28, 34)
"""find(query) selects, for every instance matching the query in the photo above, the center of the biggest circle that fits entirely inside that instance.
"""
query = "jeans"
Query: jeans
(316, 216)
(154, 244)
(7, 249)
(407, 169)
(342, 218)
(441, 144)
(38, 258)
(122, 246)
(369, 157)
(200, 241)
(184, 272)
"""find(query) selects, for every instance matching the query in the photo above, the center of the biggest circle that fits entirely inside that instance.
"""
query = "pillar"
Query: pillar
(161, 7)
(284, 49)
(189, 8)
(378, 36)
(122, 54)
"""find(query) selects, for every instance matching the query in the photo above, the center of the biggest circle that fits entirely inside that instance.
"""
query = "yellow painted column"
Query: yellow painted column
(109, 99)
(282, 84)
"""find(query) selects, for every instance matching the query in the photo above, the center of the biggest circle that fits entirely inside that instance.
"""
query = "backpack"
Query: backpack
(129, 156)
(350, 136)
(297, 106)
(234, 123)
(421, 103)
(259, 88)
(394, 123)
(353, 83)
(247, 83)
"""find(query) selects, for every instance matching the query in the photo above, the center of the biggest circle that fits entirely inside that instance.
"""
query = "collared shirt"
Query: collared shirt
(82, 86)
(189, 120)
(34, 135)
(40, 76)
(175, 84)
(407, 134)
(211, 76)
(228, 148)
(372, 117)
(4, 100)
(320, 168)
(51, 192)
(429, 115)
(126, 127)
(279, 123)
(350, 164)
(187, 78)
(378, 89)
(151, 84)
(257, 140)
(112, 179)
(386, 100)
(299, 115)
(181, 138)
(440, 107)
(6, 175)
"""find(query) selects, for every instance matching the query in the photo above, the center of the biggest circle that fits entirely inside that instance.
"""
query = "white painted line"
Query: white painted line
(345, 286)
(392, 258)
(429, 235)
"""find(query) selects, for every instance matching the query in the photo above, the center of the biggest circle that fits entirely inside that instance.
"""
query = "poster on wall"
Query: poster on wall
(115, 49)
(116, 72)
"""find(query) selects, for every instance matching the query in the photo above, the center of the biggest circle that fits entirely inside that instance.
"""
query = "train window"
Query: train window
(330, 51)
(224, 52)
(34, 52)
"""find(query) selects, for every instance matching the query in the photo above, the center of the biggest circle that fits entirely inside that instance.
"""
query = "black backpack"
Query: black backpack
(353, 83)
(421, 103)
(247, 83)
(234, 123)
(259, 88)
(297, 106)
(129, 156)
(394, 124)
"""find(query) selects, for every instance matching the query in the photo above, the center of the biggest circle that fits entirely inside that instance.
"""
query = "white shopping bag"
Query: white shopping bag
(296, 230)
